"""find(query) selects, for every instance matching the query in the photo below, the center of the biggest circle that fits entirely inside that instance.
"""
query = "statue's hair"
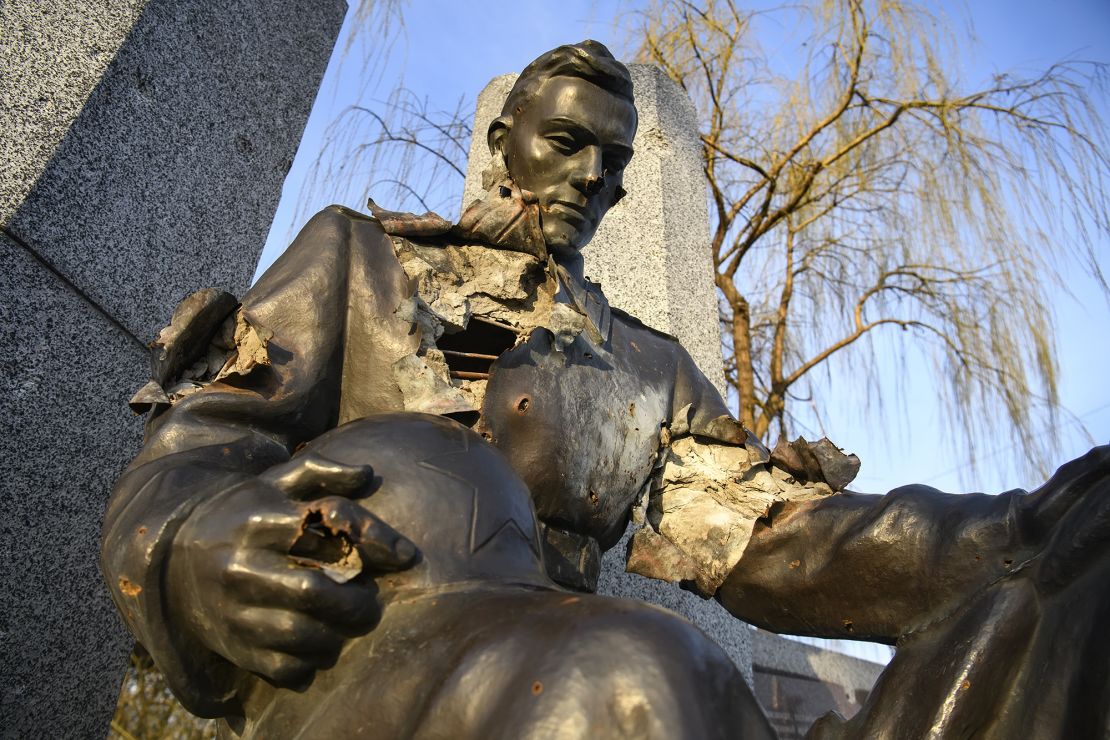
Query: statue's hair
(589, 60)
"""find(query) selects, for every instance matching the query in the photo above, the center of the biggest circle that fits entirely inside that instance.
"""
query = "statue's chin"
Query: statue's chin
(564, 240)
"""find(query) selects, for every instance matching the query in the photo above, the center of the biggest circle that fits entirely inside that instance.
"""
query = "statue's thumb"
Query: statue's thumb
(310, 477)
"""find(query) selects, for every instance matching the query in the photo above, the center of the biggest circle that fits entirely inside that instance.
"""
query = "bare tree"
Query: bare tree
(865, 191)
(400, 150)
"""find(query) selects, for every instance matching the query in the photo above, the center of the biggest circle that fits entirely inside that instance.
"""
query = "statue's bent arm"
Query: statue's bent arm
(221, 437)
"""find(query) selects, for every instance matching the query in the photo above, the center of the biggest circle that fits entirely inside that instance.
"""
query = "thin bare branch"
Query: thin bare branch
(869, 191)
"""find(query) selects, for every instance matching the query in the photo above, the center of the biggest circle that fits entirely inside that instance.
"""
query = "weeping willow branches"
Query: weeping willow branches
(858, 190)
(407, 153)
(400, 150)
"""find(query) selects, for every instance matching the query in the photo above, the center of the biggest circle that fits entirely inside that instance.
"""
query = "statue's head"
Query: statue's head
(565, 134)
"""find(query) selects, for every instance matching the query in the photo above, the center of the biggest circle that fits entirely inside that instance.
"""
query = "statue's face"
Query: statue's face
(570, 146)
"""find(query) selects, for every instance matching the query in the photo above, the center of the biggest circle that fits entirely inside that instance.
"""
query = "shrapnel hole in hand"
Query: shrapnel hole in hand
(317, 541)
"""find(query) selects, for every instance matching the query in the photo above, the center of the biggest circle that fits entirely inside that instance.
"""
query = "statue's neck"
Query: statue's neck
(573, 265)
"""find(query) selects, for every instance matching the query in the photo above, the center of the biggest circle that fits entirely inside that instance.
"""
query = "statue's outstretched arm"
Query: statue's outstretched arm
(792, 555)
(795, 557)
(873, 567)
(879, 567)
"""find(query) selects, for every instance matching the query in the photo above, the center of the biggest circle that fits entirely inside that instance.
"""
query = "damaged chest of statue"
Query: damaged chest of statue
(601, 416)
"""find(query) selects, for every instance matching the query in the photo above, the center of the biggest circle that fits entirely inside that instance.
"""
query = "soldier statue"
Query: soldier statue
(374, 493)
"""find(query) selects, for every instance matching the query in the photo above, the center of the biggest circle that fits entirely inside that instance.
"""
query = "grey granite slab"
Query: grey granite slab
(65, 375)
(145, 144)
(52, 57)
(166, 175)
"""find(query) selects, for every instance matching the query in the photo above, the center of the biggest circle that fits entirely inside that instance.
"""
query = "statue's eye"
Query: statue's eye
(563, 143)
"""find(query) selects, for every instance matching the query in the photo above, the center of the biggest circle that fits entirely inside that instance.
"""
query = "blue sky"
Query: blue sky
(450, 49)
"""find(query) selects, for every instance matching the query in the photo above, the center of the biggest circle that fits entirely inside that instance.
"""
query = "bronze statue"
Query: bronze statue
(295, 562)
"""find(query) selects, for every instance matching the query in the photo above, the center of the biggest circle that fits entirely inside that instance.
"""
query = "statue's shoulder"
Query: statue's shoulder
(331, 229)
(633, 324)
(336, 211)
(344, 218)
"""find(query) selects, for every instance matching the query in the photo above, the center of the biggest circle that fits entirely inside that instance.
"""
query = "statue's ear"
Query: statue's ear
(498, 132)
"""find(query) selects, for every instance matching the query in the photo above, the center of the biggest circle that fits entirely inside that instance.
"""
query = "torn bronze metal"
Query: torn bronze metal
(704, 508)
(819, 461)
(208, 340)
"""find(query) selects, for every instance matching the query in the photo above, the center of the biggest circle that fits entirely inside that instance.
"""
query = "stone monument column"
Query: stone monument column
(652, 257)
(145, 143)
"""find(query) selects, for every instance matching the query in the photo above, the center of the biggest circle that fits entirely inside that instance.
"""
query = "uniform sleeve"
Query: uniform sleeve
(879, 567)
(330, 302)
(706, 414)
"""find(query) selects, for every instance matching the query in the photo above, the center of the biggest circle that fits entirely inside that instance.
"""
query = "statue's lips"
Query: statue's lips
(572, 214)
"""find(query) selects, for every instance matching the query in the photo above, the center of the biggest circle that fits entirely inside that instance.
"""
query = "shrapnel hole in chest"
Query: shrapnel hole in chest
(471, 352)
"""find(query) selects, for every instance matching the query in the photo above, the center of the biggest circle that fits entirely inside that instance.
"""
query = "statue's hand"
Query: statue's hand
(235, 586)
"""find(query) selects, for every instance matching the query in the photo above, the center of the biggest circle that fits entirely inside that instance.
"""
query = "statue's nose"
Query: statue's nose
(593, 185)
(590, 177)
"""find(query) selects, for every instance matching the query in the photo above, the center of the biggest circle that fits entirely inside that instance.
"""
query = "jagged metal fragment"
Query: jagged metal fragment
(402, 223)
(327, 547)
(195, 322)
(507, 218)
(820, 461)
(251, 349)
(837, 468)
(426, 386)
(147, 397)
(706, 504)
(652, 555)
(454, 283)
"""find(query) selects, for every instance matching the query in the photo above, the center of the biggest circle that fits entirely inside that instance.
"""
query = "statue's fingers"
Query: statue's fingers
(352, 607)
(310, 476)
(287, 631)
(281, 669)
(280, 581)
(275, 528)
(325, 530)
